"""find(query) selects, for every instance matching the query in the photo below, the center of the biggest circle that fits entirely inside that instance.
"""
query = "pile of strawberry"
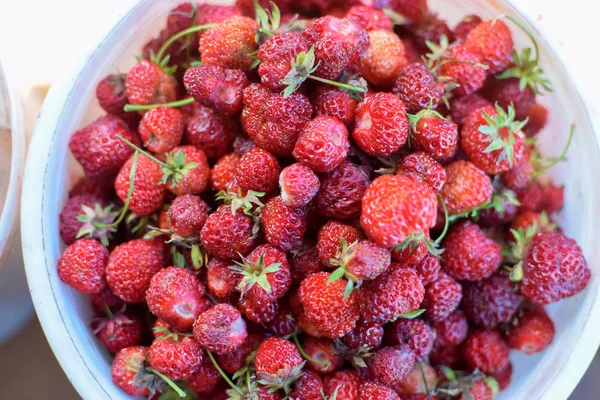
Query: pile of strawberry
(340, 205)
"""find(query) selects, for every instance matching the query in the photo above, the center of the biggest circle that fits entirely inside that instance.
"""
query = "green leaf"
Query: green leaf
(348, 290)
(272, 268)
(263, 282)
(178, 258)
(337, 274)
(448, 373)
(413, 314)
(493, 384)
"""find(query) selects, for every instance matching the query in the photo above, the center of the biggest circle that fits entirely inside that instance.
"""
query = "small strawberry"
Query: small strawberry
(230, 44)
(298, 184)
(335, 103)
(344, 384)
(82, 266)
(466, 187)
(462, 29)
(284, 322)
(360, 261)
(507, 92)
(463, 68)
(308, 387)
(433, 134)
(243, 144)
(446, 356)
(275, 56)
(222, 175)
(418, 88)
(538, 118)
(210, 132)
(131, 266)
(416, 333)
(118, 331)
(424, 169)
(87, 216)
(452, 330)
(492, 41)
(175, 296)
(532, 332)
(442, 297)
(522, 173)
(432, 30)
(329, 241)
(283, 226)
(176, 356)
(110, 92)
(161, 129)
(486, 351)
(504, 376)
(475, 386)
(258, 170)
(186, 171)
(216, 87)
(461, 107)
(304, 261)
(228, 233)
(220, 329)
(421, 380)
(341, 192)
(414, 251)
(366, 334)
(391, 364)
(215, 14)
(554, 198)
(384, 58)
(278, 363)
(129, 374)
(373, 390)
(146, 83)
(239, 358)
(259, 310)
(322, 350)
(221, 280)
(427, 268)
(206, 378)
(97, 187)
(369, 18)
(415, 10)
(322, 144)
(186, 215)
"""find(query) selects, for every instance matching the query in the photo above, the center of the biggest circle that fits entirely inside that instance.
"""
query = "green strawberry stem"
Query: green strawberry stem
(180, 34)
(305, 354)
(146, 107)
(138, 149)
(562, 157)
(223, 374)
(446, 221)
(107, 311)
(169, 382)
(425, 383)
(338, 84)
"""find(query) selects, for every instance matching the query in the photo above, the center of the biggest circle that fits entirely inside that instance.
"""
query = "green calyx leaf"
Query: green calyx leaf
(501, 131)
(528, 71)
(176, 168)
(396, 17)
(199, 256)
(342, 259)
(301, 68)
(414, 240)
(118, 82)
(522, 240)
(499, 200)
(250, 204)
(413, 314)
(254, 273)
(177, 257)
(448, 373)
(283, 380)
(437, 51)
(268, 22)
(98, 222)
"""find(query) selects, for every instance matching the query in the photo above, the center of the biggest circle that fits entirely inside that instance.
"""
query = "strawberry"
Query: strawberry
(243, 144)
(146, 83)
(82, 266)
(389, 296)
(110, 92)
(176, 356)
(128, 366)
(308, 387)
(278, 363)
(220, 329)
(528, 219)
(373, 390)
(415, 251)
(380, 124)
(504, 376)
(418, 88)
(538, 118)
(341, 192)
(415, 10)
(486, 351)
(161, 129)
(326, 305)
(427, 268)
(284, 322)
(387, 205)
(237, 359)
(228, 233)
(275, 56)
(344, 384)
(218, 88)
(187, 215)
(463, 68)
(248, 8)
(391, 364)
(554, 198)
(118, 331)
(87, 216)
(97, 187)
(422, 379)
(532, 332)
(304, 261)
(175, 296)
(424, 169)
(258, 170)
(335, 103)
(466, 188)
(214, 14)
(416, 333)
(283, 225)
(131, 266)
(322, 144)
(324, 351)
(259, 310)
(433, 134)
(210, 132)
(492, 41)
(329, 242)
(452, 330)
(470, 254)
(508, 92)
(98, 149)
(360, 261)
(186, 171)
(221, 279)
(492, 139)
(366, 334)
(521, 175)
(479, 391)
(206, 378)
(230, 44)
(105, 298)
(222, 175)
(273, 121)
(299, 184)
(432, 30)
(369, 18)
(446, 356)
(462, 29)
(442, 297)
(384, 59)
(461, 107)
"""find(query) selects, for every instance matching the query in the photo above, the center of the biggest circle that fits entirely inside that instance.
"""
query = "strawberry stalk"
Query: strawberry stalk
(179, 35)
(552, 161)
(223, 374)
(173, 104)
(325, 364)
(168, 381)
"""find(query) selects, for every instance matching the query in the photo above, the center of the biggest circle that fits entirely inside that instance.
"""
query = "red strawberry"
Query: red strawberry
(366, 334)
(433, 29)
(304, 261)
(486, 351)
(465, 26)
(415, 10)
(461, 107)
(464, 69)
(110, 92)
(433, 134)
(324, 351)
(118, 331)
(177, 356)
(228, 233)
(447, 356)
(333, 102)
(417, 88)
(275, 57)
(341, 192)
(98, 149)
(214, 14)
(105, 298)
(424, 169)
(215, 87)
(220, 329)
(492, 41)
(221, 279)
(147, 83)
(82, 266)
(442, 297)
(479, 391)
(427, 268)
(360, 261)
(532, 333)
(521, 175)
(258, 170)
(210, 132)
(259, 310)
(387, 209)
(97, 187)
(452, 330)
(504, 376)
(554, 198)
(538, 118)
(389, 296)
(391, 364)
(230, 44)
(308, 387)
(243, 144)
(416, 333)
(369, 18)
(87, 216)
(187, 215)
(323, 144)
(415, 251)
(248, 8)
(284, 322)
(373, 390)
(507, 92)
(206, 378)
(384, 59)
(283, 225)
(235, 360)
(161, 129)
(222, 175)
(345, 384)
(380, 124)
(528, 219)
(532, 198)
(175, 296)
(329, 239)
(131, 266)
(128, 366)
(278, 363)
(466, 187)
(422, 379)
(272, 120)
(326, 307)
(299, 184)
(188, 171)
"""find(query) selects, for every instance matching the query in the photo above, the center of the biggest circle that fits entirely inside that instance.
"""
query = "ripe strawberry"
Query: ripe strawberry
(345, 384)
(461, 107)
(235, 360)
(323, 144)
(417, 88)
(177, 356)
(333, 102)
(380, 124)
(433, 134)
(259, 310)
(275, 57)
(131, 266)
(175, 296)
(427, 268)
(206, 378)
(452, 330)
(442, 297)
(216, 87)
(339, 44)
(447, 356)
(149, 192)
(422, 379)
(362, 260)
(325, 305)
(462, 29)
(521, 175)
(82, 266)
(464, 69)
(433, 29)
(424, 169)
(273, 121)
(531, 198)
(128, 366)
(415, 10)
(341, 192)
(284, 322)
(532, 333)
(146, 83)
(222, 175)
(97, 187)
(230, 44)
(553, 198)
(98, 149)
(384, 59)
(278, 363)
(388, 209)
(329, 239)
(308, 387)
(161, 129)
(220, 329)
(186, 171)
(391, 364)
(492, 41)
(466, 187)
(508, 92)
(366, 334)
(324, 351)
(214, 14)
(415, 251)
(187, 215)
(553, 268)
(105, 298)
(538, 118)
(258, 170)
(479, 391)
(210, 132)
(304, 261)
(373, 390)
(369, 18)
(248, 8)
(110, 92)
(528, 219)
(389, 296)
(503, 376)
(416, 333)
(283, 226)
(486, 351)
(118, 331)
(470, 254)
(85, 216)
(228, 233)
(221, 279)
(243, 144)
(492, 139)
(299, 184)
